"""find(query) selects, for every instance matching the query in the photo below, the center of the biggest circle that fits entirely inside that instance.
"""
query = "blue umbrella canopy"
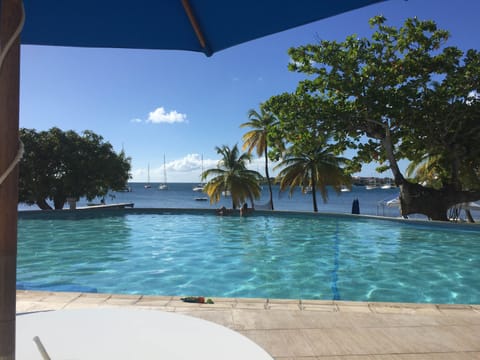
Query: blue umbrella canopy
(197, 25)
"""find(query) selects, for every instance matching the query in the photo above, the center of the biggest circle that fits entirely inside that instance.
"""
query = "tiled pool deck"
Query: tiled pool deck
(310, 330)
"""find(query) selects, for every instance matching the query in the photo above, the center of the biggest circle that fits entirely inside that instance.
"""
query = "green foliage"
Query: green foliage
(402, 89)
(258, 138)
(233, 176)
(315, 168)
(58, 165)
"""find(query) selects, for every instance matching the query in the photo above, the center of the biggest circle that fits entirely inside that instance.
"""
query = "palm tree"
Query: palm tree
(231, 174)
(257, 138)
(426, 170)
(315, 169)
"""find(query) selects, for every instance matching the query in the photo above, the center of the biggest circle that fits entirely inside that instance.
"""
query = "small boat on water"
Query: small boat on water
(372, 185)
(345, 188)
(147, 185)
(164, 186)
(200, 186)
(307, 190)
(126, 189)
(387, 185)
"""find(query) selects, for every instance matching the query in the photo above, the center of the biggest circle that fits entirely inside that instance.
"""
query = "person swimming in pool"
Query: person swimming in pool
(223, 211)
(244, 210)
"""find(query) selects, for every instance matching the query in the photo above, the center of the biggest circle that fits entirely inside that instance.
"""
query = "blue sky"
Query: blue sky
(183, 104)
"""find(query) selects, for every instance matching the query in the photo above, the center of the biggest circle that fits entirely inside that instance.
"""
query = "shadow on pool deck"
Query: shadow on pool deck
(310, 330)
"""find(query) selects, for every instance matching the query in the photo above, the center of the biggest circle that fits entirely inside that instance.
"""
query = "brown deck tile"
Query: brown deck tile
(321, 320)
(319, 307)
(403, 308)
(245, 319)
(467, 315)
(297, 358)
(31, 295)
(219, 317)
(153, 301)
(88, 300)
(250, 300)
(352, 306)
(428, 339)
(429, 356)
(123, 300)
(224, 302)
(284, 301)
(286, 343)
(350, 341)
(251, 304)
(25, 307)
(470, 337)
(286, 306)
(353, 309)
(61, 296)
(349, 357)
(28, 301)
(318, 302)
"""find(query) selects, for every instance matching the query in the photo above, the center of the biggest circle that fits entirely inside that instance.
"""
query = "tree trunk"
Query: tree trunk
(59, 202)
(314, 194)
(268, 178)
(392, 161)
(43, 205)
(417, 199)
(468, 213)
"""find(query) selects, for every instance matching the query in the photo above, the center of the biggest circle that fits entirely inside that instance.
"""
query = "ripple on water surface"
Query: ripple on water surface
(268, 256)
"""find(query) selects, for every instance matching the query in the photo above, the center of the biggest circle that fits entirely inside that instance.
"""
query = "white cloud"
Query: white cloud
(136, 120)
(159, 115)
(192, 163)
(188, 169)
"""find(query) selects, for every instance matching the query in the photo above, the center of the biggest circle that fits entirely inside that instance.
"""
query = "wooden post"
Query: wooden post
(10, 15)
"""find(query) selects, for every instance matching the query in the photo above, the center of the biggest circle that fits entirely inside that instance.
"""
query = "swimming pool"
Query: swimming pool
(279, 255)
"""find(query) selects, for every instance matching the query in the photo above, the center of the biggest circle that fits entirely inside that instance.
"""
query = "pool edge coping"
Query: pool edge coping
(51, 300)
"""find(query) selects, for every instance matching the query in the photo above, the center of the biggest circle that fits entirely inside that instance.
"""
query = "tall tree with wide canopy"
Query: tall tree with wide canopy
(408, 95)
(63, 164)
(231, 175)
(257, 138)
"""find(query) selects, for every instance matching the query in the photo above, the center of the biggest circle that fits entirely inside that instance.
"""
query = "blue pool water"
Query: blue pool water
(282, 255)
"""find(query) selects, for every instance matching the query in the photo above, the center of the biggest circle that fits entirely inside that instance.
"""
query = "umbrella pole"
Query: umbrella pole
(10, 17)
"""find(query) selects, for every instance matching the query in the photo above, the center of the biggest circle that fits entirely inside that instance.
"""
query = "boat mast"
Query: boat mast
(164, 171)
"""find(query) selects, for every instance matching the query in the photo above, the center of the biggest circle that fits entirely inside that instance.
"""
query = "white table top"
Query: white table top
(114, 333)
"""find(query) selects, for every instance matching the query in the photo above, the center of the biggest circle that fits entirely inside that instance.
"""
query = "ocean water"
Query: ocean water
(181, 195)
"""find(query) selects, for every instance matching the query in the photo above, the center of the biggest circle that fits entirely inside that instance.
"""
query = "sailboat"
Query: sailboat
(164, 186)
(148, 186)
(387, 185)
(200, 186)
(372, 184)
